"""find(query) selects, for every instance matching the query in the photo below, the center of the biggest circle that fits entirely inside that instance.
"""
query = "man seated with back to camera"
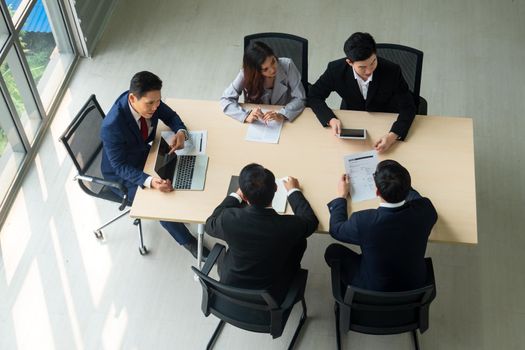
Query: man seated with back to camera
(365, 82)
(264, 248)
(127, 131)
(393, 238)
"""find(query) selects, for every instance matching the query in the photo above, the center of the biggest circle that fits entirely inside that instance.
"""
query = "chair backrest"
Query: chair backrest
(409, 59)
(83, 144)
(250, 309)
(390, 312)
(286, 45)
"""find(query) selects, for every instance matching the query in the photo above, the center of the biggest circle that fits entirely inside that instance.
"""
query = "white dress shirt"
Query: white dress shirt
(363, 85)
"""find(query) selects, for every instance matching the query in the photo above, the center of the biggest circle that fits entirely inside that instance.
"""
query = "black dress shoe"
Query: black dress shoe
(192, 247)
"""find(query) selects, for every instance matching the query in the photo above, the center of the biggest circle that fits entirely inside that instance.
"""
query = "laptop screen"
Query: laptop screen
(165, 163)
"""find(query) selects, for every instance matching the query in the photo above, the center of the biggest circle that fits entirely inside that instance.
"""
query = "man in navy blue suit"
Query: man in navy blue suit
(393, 238)
(126, 133)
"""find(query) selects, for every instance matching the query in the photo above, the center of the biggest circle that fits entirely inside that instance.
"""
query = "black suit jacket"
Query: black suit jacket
(392, 240)
(388, 92)
(262, 245)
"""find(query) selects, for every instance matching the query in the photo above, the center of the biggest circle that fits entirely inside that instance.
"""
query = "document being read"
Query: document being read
(360, 167)
(259, 131)
(194, 145)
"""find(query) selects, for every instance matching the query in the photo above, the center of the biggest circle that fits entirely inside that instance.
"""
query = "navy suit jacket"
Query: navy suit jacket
(388, 92)
(392, 240)
(124, 151)
(263, 246)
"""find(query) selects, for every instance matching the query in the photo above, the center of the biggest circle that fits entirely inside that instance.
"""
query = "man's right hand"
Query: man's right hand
(255, 114)
(343, 187)
(162, 185)
(335, 124)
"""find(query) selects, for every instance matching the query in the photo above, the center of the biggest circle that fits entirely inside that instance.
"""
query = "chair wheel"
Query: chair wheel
(98, 234)
(143, 250)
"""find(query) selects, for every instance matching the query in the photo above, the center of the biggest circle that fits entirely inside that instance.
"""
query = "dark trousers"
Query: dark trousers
(349, 259)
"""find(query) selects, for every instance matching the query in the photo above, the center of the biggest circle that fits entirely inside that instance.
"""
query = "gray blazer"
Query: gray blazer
(287, 90)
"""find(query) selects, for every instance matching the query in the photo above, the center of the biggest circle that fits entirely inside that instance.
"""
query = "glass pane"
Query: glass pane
(15, 8)
(20, 93)
(12, 151)
(46, 47)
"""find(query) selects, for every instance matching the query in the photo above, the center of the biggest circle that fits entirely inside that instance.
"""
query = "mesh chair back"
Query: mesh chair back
(409, 59)
(83, 144)
(285, 45)
(390, 312)
(244, 308)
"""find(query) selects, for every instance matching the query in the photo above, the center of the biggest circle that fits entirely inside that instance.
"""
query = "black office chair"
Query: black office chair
(286, 45)
(411, 62)
(371, 312)
(249, 309)
(82, 142)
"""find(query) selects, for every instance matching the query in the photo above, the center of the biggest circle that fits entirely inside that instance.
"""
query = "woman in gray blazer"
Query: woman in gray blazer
(265, 79)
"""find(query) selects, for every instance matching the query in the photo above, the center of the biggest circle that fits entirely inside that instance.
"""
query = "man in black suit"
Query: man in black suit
(365, 82)
(393, 238)
(264, 248)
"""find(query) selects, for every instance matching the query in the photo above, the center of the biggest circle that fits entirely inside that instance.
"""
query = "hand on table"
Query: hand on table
(162, 185)
(291, 183)
(385, 142)
(335, 124)
(273, 115)
(343, 186)
(255, 114)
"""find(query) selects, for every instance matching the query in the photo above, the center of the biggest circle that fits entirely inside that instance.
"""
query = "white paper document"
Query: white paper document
(194, 145)
(360, 167)
(280, 197)
(259, 131)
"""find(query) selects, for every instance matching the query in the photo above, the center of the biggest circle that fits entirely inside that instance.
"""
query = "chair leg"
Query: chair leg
(337, 330)
(416, 342)
(300, 325)
(142, 249)
(215, 335)
(98, 231)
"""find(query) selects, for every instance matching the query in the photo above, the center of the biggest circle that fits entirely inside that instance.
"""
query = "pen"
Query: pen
(200, 147)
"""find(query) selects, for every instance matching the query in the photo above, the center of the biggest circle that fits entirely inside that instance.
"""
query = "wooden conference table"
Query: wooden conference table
(438, 152)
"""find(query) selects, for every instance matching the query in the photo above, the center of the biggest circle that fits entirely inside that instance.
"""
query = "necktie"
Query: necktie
(143, 128)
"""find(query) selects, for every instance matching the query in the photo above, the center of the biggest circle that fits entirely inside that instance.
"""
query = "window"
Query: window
(35, 56)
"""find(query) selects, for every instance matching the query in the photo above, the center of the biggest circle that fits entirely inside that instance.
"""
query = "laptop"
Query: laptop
(186, 172)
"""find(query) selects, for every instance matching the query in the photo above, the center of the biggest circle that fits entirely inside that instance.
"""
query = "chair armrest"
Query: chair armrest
(336, 281)
(296, 288)
(212, 258)
(108, 183)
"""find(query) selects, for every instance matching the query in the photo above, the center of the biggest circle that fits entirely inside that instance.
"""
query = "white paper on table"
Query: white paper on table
(280, 197)
(259, 131)
(194, 145)
(361, 167)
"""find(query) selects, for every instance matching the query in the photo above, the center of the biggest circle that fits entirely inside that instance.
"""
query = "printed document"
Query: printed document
(360, 167)
(194, 145)
(259, 131)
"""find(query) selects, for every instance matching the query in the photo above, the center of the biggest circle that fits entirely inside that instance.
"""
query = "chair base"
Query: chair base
(100, 235)
(302, 320)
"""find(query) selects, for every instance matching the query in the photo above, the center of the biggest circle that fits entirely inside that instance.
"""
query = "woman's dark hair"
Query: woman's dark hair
(254, 56)
(257, 185)
(143, 82)
(392, 181)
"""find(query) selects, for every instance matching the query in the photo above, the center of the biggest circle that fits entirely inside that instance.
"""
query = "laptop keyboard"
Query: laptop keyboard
(184, 174)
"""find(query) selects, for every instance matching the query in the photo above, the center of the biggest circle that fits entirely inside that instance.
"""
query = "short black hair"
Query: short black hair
(257, 185)
(359, 46)
(392, 181)
(143, 82)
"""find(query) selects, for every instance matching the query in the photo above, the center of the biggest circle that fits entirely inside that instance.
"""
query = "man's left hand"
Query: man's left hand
(272, 115)
(385, 142)
(178, 142)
